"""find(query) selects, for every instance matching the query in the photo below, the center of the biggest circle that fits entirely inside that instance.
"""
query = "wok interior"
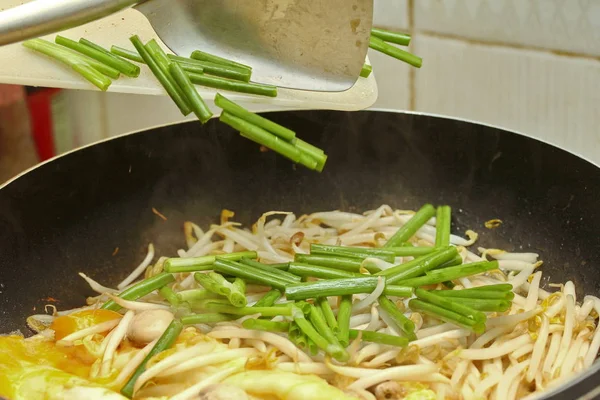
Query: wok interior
(71, 214)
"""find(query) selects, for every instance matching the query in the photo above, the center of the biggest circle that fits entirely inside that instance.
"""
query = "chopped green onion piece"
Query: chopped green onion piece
(233, 85)
(206, 318)
(276, 271)
(398, 291)
(343, 319)
(332, 287)
(313, 349)
(335, 350)
(366, 70)
(161, 75)
(224, 71)
(352, 252)
(248, 272)
(158, 54)
(345, 264)
(318, 320)
(451, 305)
(196, 102)
(264, 311)
(264, 325)
(487, 305)
(377, 44)
(411, 226)
(450, 273)
(208, 283)
(505, 287)
(103, 55)
(165, 342)
(193, 264)
(446, 315)
(71, 59)
(411, 251)
(140, 289)
(261, 136)
(202, 56)
(297, 337)
(238, 293)
(268, 125)
(418, 266)
(442, 229)
(402, 39)
(267, 272)
(402, 321)
(316, 271)
(192, 295)
(381, 338)
(168, 294)
(323, 303)
(269, 298)
(128, 54)
(94, 62)
(476, 294)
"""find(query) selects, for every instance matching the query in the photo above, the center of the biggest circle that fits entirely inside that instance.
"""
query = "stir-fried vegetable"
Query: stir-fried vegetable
(294, 298)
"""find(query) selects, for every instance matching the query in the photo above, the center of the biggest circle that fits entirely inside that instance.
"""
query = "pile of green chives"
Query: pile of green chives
(178, 75)
(380, 40)
(340, 272)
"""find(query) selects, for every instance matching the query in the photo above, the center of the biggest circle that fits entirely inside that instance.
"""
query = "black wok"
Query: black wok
(70, 214)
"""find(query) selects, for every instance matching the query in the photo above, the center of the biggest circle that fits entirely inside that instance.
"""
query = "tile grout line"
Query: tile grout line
(490, 43)
(412, 94)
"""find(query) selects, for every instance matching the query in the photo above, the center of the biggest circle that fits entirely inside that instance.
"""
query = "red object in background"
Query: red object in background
(39, 103)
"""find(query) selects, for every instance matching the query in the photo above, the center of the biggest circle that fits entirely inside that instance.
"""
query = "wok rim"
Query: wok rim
(278, 110)
(585, 378)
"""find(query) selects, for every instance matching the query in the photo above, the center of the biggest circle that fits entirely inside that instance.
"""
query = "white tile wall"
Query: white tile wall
(566, 25)
(552, 97)
(391, 14)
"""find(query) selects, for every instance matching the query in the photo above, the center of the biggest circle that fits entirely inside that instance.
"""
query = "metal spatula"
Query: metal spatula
(315, 45)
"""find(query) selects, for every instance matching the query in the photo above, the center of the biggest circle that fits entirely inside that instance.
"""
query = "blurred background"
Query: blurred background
(526, 65)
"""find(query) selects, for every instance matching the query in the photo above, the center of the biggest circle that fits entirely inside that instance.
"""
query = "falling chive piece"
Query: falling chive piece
(165, 80)
(377, 44)
(103, 55)
(402, 39)
(73, 60)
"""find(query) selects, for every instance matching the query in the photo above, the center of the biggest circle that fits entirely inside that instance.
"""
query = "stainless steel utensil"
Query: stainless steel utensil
(315, 45)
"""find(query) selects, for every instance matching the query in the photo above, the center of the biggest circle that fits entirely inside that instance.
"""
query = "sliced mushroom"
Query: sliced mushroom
(149, 325)
(389, 390)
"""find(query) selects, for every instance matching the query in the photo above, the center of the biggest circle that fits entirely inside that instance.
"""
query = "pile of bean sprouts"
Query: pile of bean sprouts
(544, 339)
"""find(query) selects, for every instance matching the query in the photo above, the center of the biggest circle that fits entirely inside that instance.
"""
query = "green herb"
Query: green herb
(332, 287)
(161, 75)
(446, 315)
(128, 54)
(450, 273)
(264, 325)
(402, 322)
(99, 53)
(193, 264)
(343, 319)
(71, 59)
(198, 105)
(166, 340)
(407, 230)
(377, 44)
(402, 39)
(381, 338)
(141, 289)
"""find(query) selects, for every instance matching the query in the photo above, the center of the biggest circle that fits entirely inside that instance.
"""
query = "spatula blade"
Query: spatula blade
(317, 45)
